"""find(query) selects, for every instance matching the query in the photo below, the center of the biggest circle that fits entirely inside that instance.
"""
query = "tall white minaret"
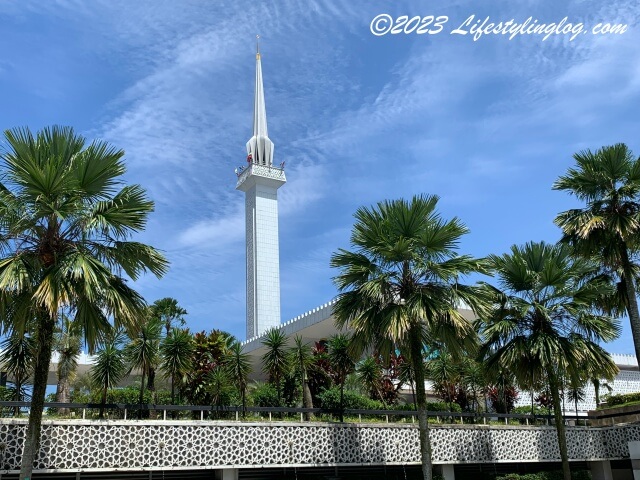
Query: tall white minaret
(260, 181)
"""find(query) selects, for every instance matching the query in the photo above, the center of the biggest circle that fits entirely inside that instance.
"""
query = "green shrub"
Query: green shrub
(554, 475)
(330, 400)
(619, 399)
(537, 410)
(432, 407)
(265, 395)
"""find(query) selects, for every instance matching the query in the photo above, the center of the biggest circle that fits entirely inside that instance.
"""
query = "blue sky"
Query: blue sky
(487, 125)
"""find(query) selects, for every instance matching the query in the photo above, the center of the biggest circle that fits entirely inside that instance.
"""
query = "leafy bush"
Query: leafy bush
(537, 410)
(330, 400)
(265, 395)
(619, 399)
(432, 407)
(555, 475)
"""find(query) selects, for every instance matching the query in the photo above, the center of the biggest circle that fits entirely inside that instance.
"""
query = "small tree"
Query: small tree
(342, 361)
(170, 314)
(369, 374)
(109, 368)
(301, 359)
(67, 343)
(18, 360)
(239, 367)
(275, 362)
(143, 352)
(176, 357)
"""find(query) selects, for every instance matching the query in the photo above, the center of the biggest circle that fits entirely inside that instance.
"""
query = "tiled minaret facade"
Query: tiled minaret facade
(260, 181)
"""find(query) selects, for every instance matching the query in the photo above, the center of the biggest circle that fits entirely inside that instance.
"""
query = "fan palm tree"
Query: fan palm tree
(239, 366)
(608, 227)
(66, 220)
(545, 321)
(302, 359)
(340, 358)
(67, 343)
(176, 356)
(400, 287)
(109, 367)
(275, 362)
(170, 313)
(18, 361)
(143, 351)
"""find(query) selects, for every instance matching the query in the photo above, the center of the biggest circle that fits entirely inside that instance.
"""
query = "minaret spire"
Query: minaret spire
(260, 181)
(260, 147)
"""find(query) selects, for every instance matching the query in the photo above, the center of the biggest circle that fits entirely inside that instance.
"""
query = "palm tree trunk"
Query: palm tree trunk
(413, 391)
(559, 421)
(62, 393)
(141, 399)
(421, 399)
(173, 395)
(151, 386)
(18, 396)
(632, 301)
(342, 400)
(103, 401)
(44, 334)
(307, 400)
(243, 394)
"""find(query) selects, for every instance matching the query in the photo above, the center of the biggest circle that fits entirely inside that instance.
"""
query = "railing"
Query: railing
(207, 412)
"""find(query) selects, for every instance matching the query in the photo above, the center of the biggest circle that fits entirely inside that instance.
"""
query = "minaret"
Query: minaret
(260, 181)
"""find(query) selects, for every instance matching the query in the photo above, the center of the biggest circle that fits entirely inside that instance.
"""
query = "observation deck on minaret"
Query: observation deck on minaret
(260, 180)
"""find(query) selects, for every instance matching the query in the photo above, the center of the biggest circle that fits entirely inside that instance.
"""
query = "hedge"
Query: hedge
(555, 475)
(613, 400)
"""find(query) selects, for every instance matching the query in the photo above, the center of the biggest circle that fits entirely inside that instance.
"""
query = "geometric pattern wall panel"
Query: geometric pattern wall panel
(75, 445)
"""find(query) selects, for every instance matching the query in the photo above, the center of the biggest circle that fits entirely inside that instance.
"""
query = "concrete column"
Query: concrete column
(600, 470)
(634, 455)
(448, 473)
(229, 474)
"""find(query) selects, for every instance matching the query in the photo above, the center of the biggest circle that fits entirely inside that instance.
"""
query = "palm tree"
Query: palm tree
(67, 343)
(369, 373)
(109, 367)
(176, 356)
(18, 361)
(445, 374)
(406, 377)
(597, 385)
(474, 379)
(608, 228)
(220, 386)
(275, 362)
(169, 312)
(143, 352)
(301, 359)
(400, 287)
(65, 223)
(340, 357)
(545, 321)
(576, 394)
(239, 367)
